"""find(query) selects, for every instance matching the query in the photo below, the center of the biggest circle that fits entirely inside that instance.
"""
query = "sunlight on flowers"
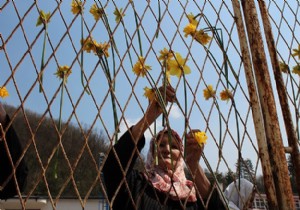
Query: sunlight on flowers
(225, 95)
(202, 37)
(102, 48)
(3, 92)
(283, 67)
(96, 12)
(296, 69)
(44, 18)
(118, 14)
(297, 52)
(89, 45)
(149, 93)
(200, 137)
(178, 66)
(165, 55)
(192, 19)
(140, 68)
(190, 29)
(209, 92)
(76, 7)
(63, 72)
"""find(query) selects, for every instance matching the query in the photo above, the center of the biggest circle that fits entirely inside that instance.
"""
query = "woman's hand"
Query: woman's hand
(155, 107)
(193, 155)
(154, 110)
(193, 150)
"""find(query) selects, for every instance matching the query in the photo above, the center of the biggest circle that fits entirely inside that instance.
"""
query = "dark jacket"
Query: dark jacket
(136, 192)
(13, 149)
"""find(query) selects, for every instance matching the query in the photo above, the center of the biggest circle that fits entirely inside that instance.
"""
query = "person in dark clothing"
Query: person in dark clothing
(164, 184)
(10, 153)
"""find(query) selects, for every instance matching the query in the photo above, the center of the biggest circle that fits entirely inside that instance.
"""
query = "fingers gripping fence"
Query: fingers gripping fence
(76, 73)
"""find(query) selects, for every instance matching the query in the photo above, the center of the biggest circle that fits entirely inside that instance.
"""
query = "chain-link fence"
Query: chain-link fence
(76, 73)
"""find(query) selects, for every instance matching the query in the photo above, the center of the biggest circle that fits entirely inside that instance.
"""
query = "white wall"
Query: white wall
(62, 204)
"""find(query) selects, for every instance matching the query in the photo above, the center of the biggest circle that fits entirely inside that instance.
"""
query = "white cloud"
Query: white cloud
(130, 122)
(148, 134)
(175, 112)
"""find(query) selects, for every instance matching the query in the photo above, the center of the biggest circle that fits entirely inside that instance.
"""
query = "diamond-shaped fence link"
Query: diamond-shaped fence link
(69, 72)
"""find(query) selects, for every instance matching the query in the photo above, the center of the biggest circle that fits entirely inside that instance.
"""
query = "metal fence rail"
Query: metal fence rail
(68, 67)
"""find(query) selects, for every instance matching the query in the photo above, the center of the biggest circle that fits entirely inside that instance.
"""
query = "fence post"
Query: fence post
(281, 90)
(271, 123)
(256, 110)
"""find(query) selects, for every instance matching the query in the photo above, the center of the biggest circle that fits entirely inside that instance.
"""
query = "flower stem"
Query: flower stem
(81, 60)
(105, 68)
(238, 138)
(127, 43)
(43, 58)
(185, 111)
(137, 28)
(165, 80)
(59, 124)
(220, 134)
(159, 20)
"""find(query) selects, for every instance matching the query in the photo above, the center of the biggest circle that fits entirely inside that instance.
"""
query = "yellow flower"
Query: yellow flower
(44, 18)
(140, 68)
(192, 19)
(178, 66)
(149, 93)
(283, 67)
(200, 137)
(63, 72)
(89, 45)
(165, 55)
(225, 95)
(118, 14)
(3, 92)
(297, 52)
(296, 69)
(202, 37)
(102, 49)
(96, 12)
(209, 92)
(190, 29)
(76, 7)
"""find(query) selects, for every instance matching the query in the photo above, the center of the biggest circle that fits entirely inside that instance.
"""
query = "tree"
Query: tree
(77, 158)
(292, 174)
(245, 169)
(230, 176)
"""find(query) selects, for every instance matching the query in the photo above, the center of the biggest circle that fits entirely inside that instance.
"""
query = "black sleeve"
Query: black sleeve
(121, 153)
(215, 202)
(15, 150)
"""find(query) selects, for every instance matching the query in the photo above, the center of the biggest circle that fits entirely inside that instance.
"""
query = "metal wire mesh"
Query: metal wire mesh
(85, 113)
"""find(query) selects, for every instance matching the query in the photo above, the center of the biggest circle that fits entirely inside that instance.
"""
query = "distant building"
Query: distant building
(260, 202)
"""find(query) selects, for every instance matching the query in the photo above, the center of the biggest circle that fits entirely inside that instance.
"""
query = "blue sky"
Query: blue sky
(95, 109)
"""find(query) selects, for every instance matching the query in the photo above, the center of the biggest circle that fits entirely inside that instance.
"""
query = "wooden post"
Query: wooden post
(281, 90)
(256, 110)
(271, 123)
